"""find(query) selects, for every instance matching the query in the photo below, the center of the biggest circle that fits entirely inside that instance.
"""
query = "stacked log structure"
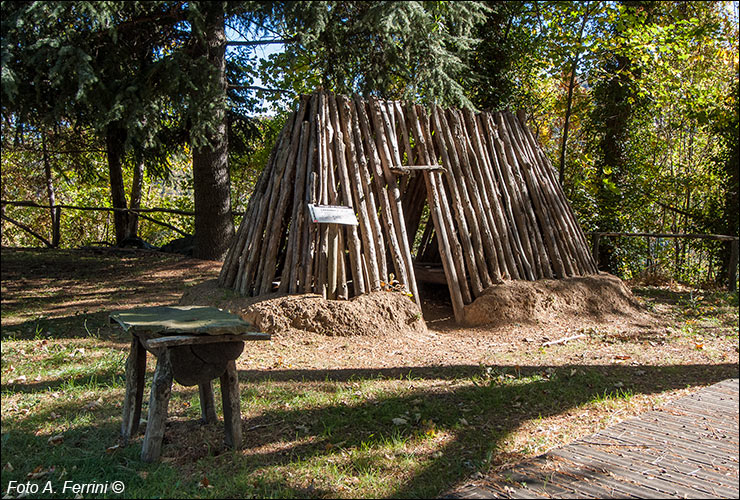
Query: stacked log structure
(478, 184)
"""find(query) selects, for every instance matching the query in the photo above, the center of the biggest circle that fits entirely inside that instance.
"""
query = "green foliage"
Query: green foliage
(407, 50)
(653, 130)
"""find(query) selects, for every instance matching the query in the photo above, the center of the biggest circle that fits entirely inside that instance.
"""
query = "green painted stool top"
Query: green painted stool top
(187, 320)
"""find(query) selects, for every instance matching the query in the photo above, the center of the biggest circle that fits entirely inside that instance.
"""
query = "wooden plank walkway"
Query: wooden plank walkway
(686, 449)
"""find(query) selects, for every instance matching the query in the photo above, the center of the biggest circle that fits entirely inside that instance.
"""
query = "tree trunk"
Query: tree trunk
(137, 184)
(115, 137)
(569, 101)
(55, 212)
(214, 227)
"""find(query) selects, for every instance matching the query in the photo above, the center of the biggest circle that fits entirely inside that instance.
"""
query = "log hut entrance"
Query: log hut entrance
(493, 207)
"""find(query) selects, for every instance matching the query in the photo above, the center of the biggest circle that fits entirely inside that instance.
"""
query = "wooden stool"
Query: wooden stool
(205, 345)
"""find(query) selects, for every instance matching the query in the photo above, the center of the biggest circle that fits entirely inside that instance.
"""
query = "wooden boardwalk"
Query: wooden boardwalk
(685, 449)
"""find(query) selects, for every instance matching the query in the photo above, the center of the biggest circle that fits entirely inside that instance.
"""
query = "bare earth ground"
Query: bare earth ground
(68, 294)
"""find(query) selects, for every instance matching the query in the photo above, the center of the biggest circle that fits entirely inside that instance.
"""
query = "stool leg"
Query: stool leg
(135, 370)
(232, 412)
(207, 402)
(158, 402)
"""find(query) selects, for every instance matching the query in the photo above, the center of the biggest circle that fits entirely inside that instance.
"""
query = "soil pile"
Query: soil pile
(370, 314)
(595, 298)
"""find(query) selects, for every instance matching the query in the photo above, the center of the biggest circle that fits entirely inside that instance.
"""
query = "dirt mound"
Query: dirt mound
(370, 314)
(595, 298)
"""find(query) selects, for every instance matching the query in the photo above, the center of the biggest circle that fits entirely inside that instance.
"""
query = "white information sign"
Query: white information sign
(332, 214)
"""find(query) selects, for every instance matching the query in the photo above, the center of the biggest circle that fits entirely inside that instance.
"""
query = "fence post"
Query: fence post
(56, 227)
(595, 250)
(732, 268)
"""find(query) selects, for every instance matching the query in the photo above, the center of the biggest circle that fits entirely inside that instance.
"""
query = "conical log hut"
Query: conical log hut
(453, 196)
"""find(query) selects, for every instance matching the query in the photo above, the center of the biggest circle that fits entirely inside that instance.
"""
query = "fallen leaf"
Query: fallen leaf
(463, 421)
(143, 474)
(622, 356)
(38, 473)
(113, 448)
(399, 421)
(91, 405)
(8, 467)
(205, 483)
(699, 345)
(55, 440)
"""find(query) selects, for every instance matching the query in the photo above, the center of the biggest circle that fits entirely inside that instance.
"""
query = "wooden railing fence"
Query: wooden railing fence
(58, 209)
(732, 241)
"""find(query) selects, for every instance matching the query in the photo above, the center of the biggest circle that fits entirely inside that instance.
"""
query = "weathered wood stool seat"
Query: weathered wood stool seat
(193, 345)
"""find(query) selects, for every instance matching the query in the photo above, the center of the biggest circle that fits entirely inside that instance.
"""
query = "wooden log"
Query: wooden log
(412, 169)
(553, 217)
(512, 203)
(576, 240)
(312, 241)
(292, 258)
(332, 262)
(310, 234)
(491, 210)
(565, 238)
(563, 340)
(497, 192)
(342, 287)
(482, 235)
(255, 237)
(414, 194)
(387, 218)
(155, 343)
(458, 192)
(353, 238)
(321, 264)
(230, 398)
(255, 263)
(426, 237)
(540, 265)
(135, 371)
(456, 283)
(231, 263)
(158, 403)
(235, 257)
(385, 134)
(360, 201)
(433, 180)
(277, 219)
(540, 209)
(207, 402)
(414, 201)
(334, 249)
(586, 263)
(410, 163)
(368, 194)
(449, 245)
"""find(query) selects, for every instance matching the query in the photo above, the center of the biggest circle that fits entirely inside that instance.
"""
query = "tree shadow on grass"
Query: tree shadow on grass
(354, 433)
(494, 409)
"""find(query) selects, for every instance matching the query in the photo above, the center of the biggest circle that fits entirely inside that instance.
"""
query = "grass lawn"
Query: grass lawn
(324, 416)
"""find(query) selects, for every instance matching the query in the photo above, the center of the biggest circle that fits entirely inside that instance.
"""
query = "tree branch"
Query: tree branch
(252, 43)
(27, 229)
(264, 89)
